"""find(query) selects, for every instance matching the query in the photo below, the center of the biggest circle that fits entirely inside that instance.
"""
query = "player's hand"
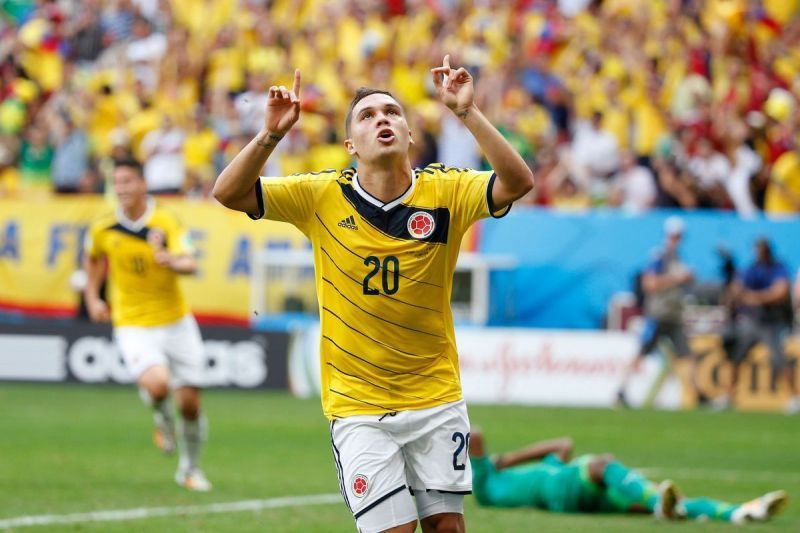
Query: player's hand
(98, 310)
(454, 86)
(163, 258)
(283, 107)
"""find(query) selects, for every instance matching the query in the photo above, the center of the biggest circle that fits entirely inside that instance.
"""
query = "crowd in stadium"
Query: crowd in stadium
(675, 103)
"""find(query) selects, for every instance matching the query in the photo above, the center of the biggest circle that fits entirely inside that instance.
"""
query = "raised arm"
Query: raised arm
(235, 185)
(456, 90)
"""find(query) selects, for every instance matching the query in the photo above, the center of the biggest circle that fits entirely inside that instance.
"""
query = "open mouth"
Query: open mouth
(386, 136)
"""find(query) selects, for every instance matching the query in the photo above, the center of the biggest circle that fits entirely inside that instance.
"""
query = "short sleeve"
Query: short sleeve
(780, 273)
(92, 244)
(286, 199)
(473, 197)
(179, 240)
(656, 267)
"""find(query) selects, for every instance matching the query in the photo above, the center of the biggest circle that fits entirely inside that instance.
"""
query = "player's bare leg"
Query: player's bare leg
(443, 523)
(192, 434)
(154, 391)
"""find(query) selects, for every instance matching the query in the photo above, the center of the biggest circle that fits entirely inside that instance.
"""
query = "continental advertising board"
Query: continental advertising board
(85, 353)
(579, 368)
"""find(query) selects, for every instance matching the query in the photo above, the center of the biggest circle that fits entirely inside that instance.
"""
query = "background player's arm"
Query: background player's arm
(178, 263)
(235, 186)
(514, 178)
(175, 251)
(561, 447)
(95, 273)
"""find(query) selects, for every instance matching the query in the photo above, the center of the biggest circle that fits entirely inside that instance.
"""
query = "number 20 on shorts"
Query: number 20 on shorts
(462, 444)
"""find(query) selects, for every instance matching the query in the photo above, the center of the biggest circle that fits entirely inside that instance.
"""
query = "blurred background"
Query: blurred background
(637, 117)
(628, 112)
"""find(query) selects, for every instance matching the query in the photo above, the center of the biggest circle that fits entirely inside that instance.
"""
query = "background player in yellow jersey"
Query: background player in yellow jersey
(385, 240)
(146, 249)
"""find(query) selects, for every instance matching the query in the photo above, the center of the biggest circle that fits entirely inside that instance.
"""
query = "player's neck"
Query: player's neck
(135, 211)
(385, 183)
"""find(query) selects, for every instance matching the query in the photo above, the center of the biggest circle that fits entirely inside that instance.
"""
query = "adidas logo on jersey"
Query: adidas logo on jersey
(348, 223)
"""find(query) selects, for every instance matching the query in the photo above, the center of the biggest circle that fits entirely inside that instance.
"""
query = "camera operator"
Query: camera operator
(762, 312)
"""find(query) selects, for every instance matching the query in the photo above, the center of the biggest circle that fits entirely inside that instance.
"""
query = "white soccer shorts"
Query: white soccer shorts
(382, 460)
(177, 346)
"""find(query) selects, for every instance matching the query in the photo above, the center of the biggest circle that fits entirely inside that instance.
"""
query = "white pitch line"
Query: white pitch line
(117, 515)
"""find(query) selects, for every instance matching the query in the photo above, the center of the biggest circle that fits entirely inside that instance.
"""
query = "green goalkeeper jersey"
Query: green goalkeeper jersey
(550, 484)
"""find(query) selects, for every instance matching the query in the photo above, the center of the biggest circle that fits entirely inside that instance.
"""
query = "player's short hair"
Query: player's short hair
(130, 162)
(361, 93)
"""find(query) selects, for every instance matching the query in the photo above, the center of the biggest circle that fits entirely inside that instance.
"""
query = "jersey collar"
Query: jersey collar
(139, 223)
(377, 203)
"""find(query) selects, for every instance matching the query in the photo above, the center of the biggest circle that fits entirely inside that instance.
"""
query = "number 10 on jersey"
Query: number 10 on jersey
(390, 270)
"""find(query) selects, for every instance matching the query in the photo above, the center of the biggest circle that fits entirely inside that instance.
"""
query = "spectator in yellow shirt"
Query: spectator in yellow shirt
(783, 191)
(201, 144)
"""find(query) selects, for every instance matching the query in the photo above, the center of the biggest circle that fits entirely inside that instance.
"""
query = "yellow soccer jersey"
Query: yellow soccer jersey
(142, 293)
(384, 275)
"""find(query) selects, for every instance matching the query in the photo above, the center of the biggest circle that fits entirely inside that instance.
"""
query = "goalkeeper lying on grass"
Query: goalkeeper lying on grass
(543, 476)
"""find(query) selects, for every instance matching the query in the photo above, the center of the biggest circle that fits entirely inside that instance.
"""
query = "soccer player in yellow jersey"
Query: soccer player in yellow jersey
(146, 248)
(385, 240)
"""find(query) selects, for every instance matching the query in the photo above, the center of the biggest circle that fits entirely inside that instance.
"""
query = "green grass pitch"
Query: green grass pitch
(74, 449)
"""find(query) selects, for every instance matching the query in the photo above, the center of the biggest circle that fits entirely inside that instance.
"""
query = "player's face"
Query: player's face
(378, 129)
(129, 186)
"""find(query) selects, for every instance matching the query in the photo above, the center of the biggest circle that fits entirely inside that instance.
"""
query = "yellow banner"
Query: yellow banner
(41, 247)
(759, 387)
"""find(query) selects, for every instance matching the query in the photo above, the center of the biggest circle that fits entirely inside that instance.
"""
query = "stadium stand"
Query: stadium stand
(683, 104)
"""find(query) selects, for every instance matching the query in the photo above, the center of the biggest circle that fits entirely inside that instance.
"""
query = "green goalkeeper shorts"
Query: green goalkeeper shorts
(571, 490)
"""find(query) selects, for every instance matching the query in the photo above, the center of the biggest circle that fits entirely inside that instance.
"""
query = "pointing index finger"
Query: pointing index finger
(296, 84)
(446, 62)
